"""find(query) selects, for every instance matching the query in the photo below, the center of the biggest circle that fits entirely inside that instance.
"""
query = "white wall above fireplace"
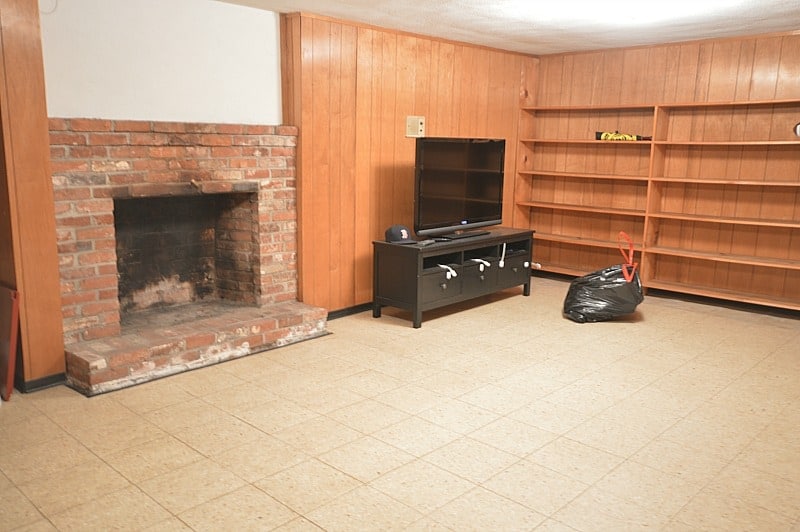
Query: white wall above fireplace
(175, 60)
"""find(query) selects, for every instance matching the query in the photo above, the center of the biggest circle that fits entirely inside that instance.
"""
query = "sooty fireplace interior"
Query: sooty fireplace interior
(175, 250)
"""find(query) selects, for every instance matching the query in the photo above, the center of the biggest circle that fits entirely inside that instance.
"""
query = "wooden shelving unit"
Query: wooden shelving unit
(713, 201)
(723, 213)
(579, 192)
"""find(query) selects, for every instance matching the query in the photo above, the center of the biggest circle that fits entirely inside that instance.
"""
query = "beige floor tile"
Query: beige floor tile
(152, 458)
(181, 416)
(448, 383)
(565, 426)
(416, 436)
(238, 398)
(575, 460)
(28, 432)
(576, 397)
(783, 430)
(486, 366)
(617, 380)
(471, 459)
(692, 465)
(696, 381)
(364, 508)
(422, 485)
(549, 416)
(596, 510)
(277, 415)
(307, 485)
(205, 381)
(317, 435)
(298, 524)
(223, 433)
(637, 417)
(425, 351)
(247, 508)
(367, 416)
(671, 401)
(246, 367)
(404, 369)
(757, 388)
(79, 484)
(370, 383)
(530, 382)
(535, 486)
(617, 438)
(259, 458)
(172, 524)
(39, 526)
(771, 459)
(551, 525)
(39, 460)
(480, 509)
(757, 488)
(513, 436)
(5, 482)
(151, 396)
(720, 438)
(366, 458)
(427, 524)
(127, 509)
(17, 510)
(290, 382)
(411, 399)
(191, 485)
(330, 368)
(495, 399)
(658, 492)
(93, 412)
(324, 400)
(458, 416)
(715, 512)
(105, 438)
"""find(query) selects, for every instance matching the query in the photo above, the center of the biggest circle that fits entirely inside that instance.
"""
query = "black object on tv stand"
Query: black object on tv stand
(419, 278)
(462, 234)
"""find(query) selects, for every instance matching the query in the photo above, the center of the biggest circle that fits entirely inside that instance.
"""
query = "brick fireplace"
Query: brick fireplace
(177, 246)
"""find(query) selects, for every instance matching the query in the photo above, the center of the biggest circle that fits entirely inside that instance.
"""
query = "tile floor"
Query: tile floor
(503, 416)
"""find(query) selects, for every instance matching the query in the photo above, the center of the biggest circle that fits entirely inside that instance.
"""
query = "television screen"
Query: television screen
(458, 185)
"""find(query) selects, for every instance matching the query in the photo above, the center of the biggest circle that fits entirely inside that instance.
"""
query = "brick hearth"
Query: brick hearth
(161, 342)
(97, 162)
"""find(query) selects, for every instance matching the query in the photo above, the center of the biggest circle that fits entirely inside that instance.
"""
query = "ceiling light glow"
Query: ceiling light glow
(615, 13)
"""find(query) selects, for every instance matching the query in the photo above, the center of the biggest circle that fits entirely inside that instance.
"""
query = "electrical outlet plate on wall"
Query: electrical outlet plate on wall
(415, 126)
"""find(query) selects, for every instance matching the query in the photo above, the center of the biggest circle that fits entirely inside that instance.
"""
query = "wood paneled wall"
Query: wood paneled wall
(752, 68)
(28, 258)
(349, 89)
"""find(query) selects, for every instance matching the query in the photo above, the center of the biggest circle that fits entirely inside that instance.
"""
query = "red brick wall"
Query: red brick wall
(95, 161)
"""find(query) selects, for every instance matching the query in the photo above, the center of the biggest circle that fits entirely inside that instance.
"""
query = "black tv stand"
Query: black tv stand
(422, 277)
(463, 234)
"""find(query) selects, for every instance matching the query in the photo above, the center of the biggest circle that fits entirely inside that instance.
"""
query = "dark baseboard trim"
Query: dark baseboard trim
(349, 311)
(41, 384)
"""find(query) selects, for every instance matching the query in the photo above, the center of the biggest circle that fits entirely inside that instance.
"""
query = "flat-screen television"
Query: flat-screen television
(458, 185)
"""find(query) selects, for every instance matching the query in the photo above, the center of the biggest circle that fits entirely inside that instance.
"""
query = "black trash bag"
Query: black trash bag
(606, 294)
(603, 295)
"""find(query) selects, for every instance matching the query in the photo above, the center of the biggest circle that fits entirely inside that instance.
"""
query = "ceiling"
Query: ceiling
(541, 27)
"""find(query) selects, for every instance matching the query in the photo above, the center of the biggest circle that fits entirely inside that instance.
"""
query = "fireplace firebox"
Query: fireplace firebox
(178, 250)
